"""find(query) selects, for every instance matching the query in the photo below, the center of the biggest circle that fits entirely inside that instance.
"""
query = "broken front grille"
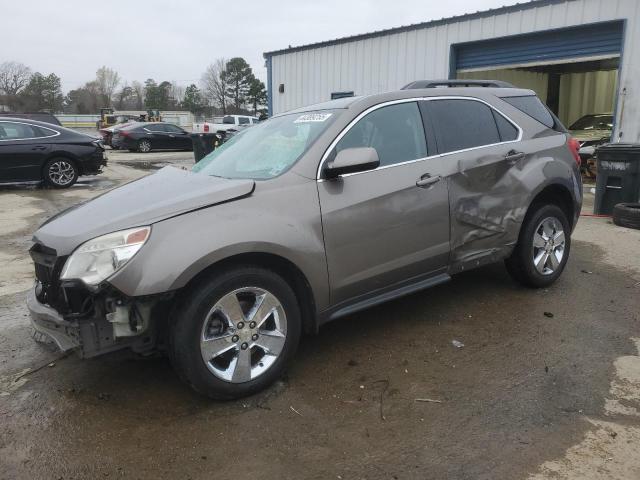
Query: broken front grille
(70, 300)
(44, 274)
(47, 269)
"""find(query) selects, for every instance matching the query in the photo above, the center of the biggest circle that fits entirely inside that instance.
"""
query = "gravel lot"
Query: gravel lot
(547, 384)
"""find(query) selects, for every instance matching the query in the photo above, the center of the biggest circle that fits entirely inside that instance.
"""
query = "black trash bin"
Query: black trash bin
(203, 144)
(618, 178)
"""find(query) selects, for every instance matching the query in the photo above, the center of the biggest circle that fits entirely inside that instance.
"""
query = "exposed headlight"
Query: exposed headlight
(98, 259)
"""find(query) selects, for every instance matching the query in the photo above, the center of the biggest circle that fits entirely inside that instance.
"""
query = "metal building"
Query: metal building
(580, 56)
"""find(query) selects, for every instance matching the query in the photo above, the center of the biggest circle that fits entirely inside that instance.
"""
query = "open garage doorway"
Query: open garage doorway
(571, 90)
(573, 70)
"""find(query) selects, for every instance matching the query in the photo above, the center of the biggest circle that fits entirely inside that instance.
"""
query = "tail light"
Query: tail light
(123, 133)
(206, 128)
(574, 146)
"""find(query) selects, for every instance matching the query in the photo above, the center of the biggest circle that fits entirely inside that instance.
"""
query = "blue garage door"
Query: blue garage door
(589, 41)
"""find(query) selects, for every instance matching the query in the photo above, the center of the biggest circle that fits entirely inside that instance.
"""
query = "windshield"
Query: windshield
(268, 149)
(593, 122)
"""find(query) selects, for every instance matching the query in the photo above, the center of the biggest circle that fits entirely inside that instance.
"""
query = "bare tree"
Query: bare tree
(14, 76)
(176, 94)
(123, 97)
(138, 90)
(214, 84)
(107, 81)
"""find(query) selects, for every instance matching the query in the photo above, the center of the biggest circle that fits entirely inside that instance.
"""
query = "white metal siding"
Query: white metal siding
(388, 62)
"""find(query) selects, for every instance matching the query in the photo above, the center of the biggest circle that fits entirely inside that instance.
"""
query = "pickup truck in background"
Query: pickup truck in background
(228, 123)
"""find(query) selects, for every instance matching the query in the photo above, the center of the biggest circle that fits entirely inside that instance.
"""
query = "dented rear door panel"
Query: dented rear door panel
(491, 186)
(490, 192)
(487, 199)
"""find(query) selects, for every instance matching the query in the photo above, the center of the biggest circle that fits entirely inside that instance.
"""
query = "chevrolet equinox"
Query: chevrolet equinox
(305, 218)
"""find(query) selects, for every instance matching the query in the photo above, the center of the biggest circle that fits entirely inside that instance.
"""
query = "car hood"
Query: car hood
(590, 135)
(165, 194)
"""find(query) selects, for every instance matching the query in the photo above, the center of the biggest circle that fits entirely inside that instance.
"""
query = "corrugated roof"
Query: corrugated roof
(418, 26)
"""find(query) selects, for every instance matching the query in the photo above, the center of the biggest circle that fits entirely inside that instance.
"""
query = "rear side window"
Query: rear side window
(462, 124)
(395, 131)
(507, 131)
(18, 131)
(533, 107)
(243, 121)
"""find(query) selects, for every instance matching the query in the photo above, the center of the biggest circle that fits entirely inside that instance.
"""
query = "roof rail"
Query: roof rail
(457, 83)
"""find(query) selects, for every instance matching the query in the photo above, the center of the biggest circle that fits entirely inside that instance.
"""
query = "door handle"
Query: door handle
(513, 156)
(39, 147)
(427, 180)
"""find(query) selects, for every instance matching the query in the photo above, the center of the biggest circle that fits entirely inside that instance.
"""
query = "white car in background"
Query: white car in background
(228, 123)
(591, 131)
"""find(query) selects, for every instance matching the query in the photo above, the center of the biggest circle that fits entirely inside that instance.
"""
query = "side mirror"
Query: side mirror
(351, 160)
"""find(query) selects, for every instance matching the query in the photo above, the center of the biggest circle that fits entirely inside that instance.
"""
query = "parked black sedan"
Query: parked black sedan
(144, 137)
(32, 151)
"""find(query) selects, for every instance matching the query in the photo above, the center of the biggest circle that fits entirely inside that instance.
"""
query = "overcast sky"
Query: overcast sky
(176, 40)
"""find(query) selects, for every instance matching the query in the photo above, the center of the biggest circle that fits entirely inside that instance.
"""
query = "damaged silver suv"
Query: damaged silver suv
(305, 218)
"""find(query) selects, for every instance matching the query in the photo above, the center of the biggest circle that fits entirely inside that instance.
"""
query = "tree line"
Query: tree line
(226, 87)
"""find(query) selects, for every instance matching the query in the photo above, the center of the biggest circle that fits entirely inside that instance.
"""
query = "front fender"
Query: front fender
(211, 258)
(286, 224)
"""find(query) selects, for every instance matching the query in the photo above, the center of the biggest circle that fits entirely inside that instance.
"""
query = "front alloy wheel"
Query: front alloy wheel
(234, 334)
(243, 334)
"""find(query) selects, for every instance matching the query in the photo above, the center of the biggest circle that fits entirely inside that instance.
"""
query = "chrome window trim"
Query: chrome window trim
(407, 100)
(55, 132)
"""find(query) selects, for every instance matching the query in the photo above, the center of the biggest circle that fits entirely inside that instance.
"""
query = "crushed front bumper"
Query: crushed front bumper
(93, 165)
(99, 332)
(47, 321)
(92, 322)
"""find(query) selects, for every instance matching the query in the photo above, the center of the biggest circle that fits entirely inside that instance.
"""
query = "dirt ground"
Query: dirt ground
(546, 386)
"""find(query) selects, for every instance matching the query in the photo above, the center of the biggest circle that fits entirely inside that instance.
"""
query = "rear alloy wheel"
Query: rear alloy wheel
(543, 247)
(60, 173)
(235, 334)
(548, 246)
(144, 146)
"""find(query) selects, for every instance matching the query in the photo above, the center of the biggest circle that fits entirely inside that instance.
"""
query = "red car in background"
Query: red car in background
(107, 132)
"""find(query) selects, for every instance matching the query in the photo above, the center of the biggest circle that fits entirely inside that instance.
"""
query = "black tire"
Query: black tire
(60, 172)
(189, 318)
(142, 146)
(627, 215)
(520, 264)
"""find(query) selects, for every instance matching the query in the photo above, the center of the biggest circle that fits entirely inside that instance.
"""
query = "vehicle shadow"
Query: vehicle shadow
(148, 386)
(387, 385)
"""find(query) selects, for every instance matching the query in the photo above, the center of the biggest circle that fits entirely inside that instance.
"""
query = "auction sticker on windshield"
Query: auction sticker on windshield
(312, 117)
